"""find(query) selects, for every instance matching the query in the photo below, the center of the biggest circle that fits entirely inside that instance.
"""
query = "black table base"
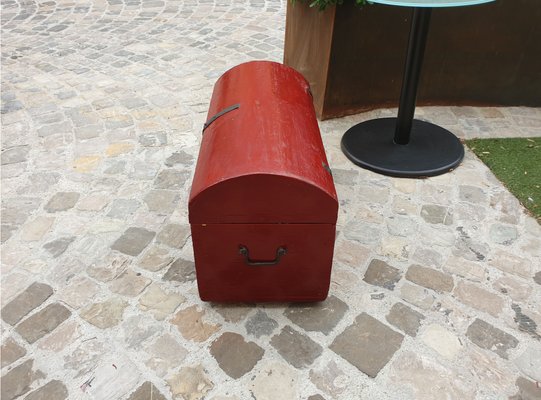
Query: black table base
(431, 150)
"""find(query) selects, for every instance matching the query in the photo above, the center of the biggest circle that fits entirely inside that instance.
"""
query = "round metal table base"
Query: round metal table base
(431, 150)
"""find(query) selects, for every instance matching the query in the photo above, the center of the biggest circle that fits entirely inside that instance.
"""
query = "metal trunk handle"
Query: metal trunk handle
(243, 250)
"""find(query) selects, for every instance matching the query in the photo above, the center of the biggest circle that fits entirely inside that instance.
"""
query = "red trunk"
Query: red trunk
(262, 183)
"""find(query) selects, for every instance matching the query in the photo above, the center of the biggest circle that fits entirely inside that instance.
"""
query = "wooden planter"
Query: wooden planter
(478, 55)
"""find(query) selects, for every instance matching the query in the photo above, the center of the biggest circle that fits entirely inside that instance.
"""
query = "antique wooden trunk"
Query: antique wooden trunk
(263, 206)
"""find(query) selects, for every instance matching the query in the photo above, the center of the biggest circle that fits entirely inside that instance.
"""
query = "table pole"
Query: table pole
(414, 60)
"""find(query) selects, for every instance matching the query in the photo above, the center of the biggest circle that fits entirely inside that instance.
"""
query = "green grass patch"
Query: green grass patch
(517, 164)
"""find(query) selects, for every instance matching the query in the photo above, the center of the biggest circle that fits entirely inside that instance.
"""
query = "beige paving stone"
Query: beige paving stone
(440, 339)
(394, 247)
(512, 264)
(116, 149)
(129, 283)
(12, 285)
(105, 314)
(191, 325)
(479, 298)
(430, 278)
(37, 228)
(165, 354)
(191, 383)
(489, 369)
(93, 202)
(415, 370)
(86, 164)
(517, 289)
(112, 266)
(174, 235)
(467, 269)
(275, 381)
(330, 379)
(155, 258)
(61, 337)
(80, 292)
(351, 253)
(417, 296)
(159, 302)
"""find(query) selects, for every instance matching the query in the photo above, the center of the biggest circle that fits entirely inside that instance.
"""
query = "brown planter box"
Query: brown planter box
(478, 55)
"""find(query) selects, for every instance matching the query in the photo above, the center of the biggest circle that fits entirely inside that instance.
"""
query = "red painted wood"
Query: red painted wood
(303, 274)
(265, 161)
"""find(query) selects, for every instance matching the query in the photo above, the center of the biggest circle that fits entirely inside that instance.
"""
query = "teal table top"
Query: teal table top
(430, 3)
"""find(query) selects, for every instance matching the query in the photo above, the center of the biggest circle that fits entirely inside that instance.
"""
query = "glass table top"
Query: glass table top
(430, 3)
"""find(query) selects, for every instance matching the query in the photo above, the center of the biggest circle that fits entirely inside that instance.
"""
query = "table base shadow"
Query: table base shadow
(432, 150)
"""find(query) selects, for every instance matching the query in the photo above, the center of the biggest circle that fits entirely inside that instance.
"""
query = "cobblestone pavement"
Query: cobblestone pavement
(436, 286)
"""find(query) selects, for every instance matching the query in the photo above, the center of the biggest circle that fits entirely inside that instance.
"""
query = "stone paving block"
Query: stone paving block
(477, 297)
(351, 253)
(52, 390)
(61, 201)
(159, 302)
(17, 382)
(524, 322)
(11, 352)
(43, 322)
(34, 230)
(234, 355)
(320, 317)
(190, 324)
(429, 379)
(467, 269)
(529, 362)
(15, 155)
(417, 296)
(106, 314)
(379, 273)
(191, 383)
(20, 306)
(430, 278)
(275, 381)
(405, 319)
(511, 263)
(331, 379)
(147, 391)
(491, 338)
(129, 283)
(165, 354)
(527, 390)
(296, 348)
(155, 259)
(174, 235)
(367, 344)
(436, 214)
(517, 289)
(260, 324)
(133, 241)
(79, 293)
(61, 337)
(138, 329)
(114, 377)
(171, 179)
(123, 208)
(440, 339)
(179, 157)
(181, 271)
(57, 247)
(233, 312)
(162, 202)
(93, 202)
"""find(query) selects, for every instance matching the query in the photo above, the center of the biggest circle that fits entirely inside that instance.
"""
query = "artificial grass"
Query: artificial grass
(517, 164)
